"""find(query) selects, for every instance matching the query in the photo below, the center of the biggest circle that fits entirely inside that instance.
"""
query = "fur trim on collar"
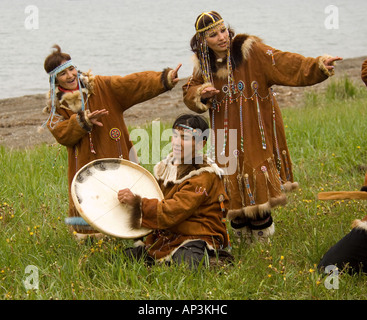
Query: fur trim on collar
(167, 172)
(72, 99)
(242, 45)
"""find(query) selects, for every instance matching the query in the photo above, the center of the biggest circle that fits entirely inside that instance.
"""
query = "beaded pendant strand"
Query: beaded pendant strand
(241, 87)
(278, 161)
(254, 87)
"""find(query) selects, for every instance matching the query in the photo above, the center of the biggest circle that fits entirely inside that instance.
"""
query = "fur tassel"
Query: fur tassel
(136, 214)
(290, 186)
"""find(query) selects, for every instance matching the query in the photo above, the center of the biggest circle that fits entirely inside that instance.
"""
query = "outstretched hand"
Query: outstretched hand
(174, 74)
(329, 63)
(209, 92)
(96, 115)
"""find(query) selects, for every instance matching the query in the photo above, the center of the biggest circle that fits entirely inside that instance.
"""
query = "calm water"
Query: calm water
(121, 37)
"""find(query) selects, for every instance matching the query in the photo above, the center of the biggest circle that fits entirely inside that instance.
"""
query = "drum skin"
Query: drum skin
(94, 191)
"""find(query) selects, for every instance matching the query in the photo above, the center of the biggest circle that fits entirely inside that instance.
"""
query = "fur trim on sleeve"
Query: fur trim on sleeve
(166, 79)
(203, 107)
(84, 121)
(322, 66)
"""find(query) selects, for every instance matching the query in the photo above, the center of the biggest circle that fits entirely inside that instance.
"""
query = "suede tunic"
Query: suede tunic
(257, 160)
(86, 142)
(193, 208)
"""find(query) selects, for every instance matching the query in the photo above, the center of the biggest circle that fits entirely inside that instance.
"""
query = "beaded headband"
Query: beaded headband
(60, 68)
(210, 27)
(194, 131)
(210, 15)
(53, 74)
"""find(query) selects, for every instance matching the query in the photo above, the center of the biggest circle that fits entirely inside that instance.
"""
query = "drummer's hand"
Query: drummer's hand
(126, 196)
(174, 74)
(96, 115)
(209, 92)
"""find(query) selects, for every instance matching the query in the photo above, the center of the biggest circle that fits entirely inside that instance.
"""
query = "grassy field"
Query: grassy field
(326, 137)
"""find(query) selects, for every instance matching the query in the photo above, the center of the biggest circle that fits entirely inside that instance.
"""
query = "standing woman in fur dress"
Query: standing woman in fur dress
(86, 113)
(232, 78)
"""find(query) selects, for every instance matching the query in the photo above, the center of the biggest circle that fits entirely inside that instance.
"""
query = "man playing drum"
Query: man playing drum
(188, 224)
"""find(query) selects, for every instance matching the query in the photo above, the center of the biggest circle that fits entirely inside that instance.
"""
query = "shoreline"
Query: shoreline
(20, 117)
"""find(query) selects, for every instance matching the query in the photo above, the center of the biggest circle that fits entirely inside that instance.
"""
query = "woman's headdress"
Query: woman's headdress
(206, 22)
(53, 74)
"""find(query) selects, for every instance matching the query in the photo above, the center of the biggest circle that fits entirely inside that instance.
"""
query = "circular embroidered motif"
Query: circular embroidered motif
(241, 85)
(115, 134)
(225, 89)
(254, 85)
(221, 198)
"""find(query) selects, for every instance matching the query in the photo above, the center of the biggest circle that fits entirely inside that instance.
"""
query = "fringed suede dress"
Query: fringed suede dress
(249, 141)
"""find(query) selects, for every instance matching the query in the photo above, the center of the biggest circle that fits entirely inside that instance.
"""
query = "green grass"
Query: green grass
(326, 137)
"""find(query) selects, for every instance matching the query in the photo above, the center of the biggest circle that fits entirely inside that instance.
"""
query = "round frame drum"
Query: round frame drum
(94, 191)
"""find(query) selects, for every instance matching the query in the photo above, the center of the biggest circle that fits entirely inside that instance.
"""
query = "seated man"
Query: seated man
(188, 224)
(349, 253)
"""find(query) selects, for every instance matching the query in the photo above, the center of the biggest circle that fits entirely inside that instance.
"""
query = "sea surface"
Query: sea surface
(121, 37)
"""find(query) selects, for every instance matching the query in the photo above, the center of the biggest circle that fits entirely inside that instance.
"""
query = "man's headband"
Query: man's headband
(195, 133)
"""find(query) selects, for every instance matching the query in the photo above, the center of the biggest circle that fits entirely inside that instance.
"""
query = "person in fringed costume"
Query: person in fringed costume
(86, 115)
(232, 78)
(188, 224)
(364, 79)
(350, 253)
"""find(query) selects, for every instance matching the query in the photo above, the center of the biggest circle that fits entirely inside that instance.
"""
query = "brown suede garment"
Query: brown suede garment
(268, 170)
(191, 210)
(115, 94)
